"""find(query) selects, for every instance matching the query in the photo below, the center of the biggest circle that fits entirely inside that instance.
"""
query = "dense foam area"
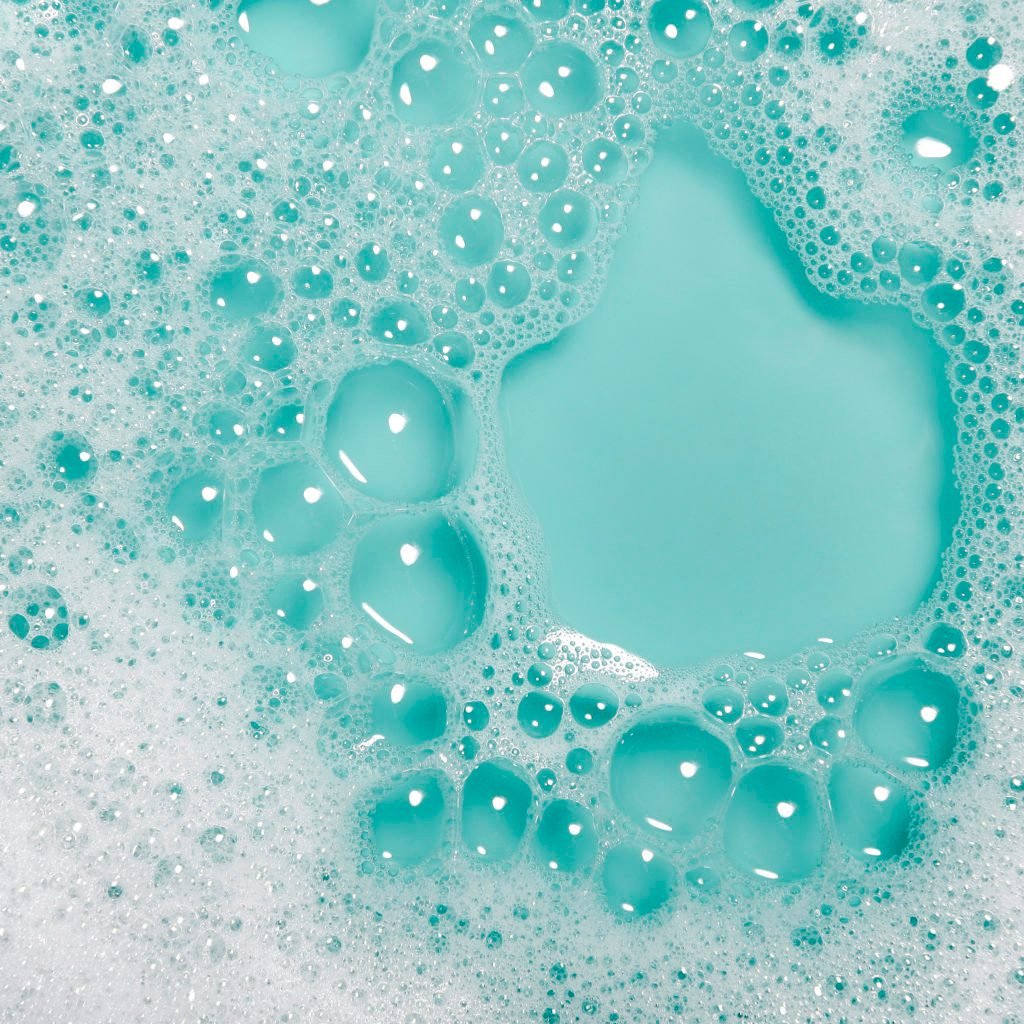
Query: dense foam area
(288, 730)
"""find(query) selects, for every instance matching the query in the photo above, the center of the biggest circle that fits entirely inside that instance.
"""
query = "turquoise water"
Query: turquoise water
(510, 511)
(728, 433)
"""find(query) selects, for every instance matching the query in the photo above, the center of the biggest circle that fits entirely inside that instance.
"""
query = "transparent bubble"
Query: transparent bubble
(391, 433)
(539, 714)
(501, 42)
(196, 506)
(456, 161)
(432, 84)
(471, 230)
(560, 80)
(420, 579)
(296, 509)
(908, 714)
(594, 705)
(636, 880)
(497, 806)
(543, 166)
(508, 284)
(681, 28)
(568, 220)
(243, 288)
(871, 811)
(773, 825)
(669, 774)
(411, 820)
(566, 838)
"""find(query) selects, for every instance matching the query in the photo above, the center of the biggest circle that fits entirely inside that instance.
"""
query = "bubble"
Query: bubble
(372, 262)
(400, 323)
(566, 838)
(243, 288)
(296, 600)
(723, 702)
(391, 432)
(561, 80)
(543, 167)
(501, 42)
(410, 822)
(310, 38)
(196, 506)
(943, 302)
(497, 806)
(455, 349)
(503, 96)
(420, 578)
(759, 736)
(605, 162)
(669, 774)
(773, 825)
(408, 710)
(312, 282)
(871, 811)
(508, 284)
(636, 880)
(919, 262)
(432, 84)
(769, 696)
(908, 714)
(568, 220)
(833, 690)
(475, 715)
(296, 509)
(680, 28)
(539, 714)
(829, 734)
(270, 348)
(471, 231)
(456, 160)
(593, 705)
(748, 40)
(946, 641)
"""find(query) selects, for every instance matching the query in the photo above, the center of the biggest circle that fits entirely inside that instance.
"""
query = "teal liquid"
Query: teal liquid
(322, 717)
(726, 435)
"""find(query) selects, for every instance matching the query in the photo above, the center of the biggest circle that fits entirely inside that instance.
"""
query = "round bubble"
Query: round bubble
(296, 600)
(543, 166)
(296, 509)
(773, 826)
(243, 288)
(871, 811)
(908, 714)
(408, 710)
(680, 28)
(270, 348)
(748, 40)
(636, 880)
(669, 774)
(196, 506)
(508, 284)
(568, 220)
(566, 838)
(432, 84)
(723, 702)
(471, 230)
(936, 139)
(594, 705)
(769, 696)
(539, 714)
(561, 79)
(400, 323)
(421, 580)
(502, 43)
(497, 806)
(605, 162)
(390, 432)
(759, 736)
(410, 822)
(456, 160)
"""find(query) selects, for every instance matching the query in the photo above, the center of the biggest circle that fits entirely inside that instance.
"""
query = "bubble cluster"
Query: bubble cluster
(286, 709)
